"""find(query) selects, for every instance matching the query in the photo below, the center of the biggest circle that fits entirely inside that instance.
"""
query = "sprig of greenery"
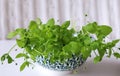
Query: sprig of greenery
(59, 43)
(8, 57)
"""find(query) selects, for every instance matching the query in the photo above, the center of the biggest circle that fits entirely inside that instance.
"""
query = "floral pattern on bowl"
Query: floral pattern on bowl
(69, 64)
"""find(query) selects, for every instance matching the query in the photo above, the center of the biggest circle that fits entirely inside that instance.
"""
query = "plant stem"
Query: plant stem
(37, 51)
(95, 53)
(12, 48)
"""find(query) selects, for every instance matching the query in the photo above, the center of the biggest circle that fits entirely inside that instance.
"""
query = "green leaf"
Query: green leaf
(104, 30)
(72, 47)
(33, 26)
(10, 60)
(19, 31)
(91, 27)
(4, 57)
(12, 34)
(22, 55)
(65, 25)
(22, 67)
(113, 43)
(87, 41)
(50, 22)
(38, 21)
(97, 59)
(102, 51)
(94, 45)
(7, 56)
(85, 52)
(117, 55)
(21, 43)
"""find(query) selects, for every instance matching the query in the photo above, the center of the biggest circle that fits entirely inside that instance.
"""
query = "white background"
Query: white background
(18, 13)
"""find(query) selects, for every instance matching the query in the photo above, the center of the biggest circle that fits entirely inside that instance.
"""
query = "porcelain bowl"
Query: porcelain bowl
(70, 64)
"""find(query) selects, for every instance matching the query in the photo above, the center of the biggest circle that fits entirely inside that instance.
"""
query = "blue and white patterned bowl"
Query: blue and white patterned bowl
(70, 64)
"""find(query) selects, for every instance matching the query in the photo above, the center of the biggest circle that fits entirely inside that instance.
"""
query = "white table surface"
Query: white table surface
(108, 67)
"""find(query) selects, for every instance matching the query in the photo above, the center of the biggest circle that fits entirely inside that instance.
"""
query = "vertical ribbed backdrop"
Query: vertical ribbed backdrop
(18, 13)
